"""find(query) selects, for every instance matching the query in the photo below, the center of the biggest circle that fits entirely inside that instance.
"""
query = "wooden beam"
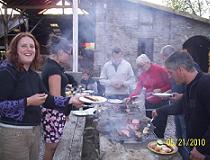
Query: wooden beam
(40, 7)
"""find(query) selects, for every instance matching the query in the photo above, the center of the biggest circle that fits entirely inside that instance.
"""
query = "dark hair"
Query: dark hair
(12, 54)
(56, 43)
(86, 71)
(116, 50)
(180, 58)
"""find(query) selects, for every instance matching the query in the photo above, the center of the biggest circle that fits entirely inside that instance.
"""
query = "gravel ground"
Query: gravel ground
(170, 128)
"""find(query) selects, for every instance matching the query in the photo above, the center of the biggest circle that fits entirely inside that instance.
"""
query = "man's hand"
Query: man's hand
(157, 91)
(36, 99)
(154, 113)
(195, 155)
(176, 97)
(75, 101)
(117, 84)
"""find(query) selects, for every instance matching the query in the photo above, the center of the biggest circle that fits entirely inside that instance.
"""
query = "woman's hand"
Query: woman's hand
(37, 99)
(75, 101)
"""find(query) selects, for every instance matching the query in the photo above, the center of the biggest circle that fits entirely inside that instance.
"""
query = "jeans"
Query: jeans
(185, 152)
(180, 126)
(181, 134)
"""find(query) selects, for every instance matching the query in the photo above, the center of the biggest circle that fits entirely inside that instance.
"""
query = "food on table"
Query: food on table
(135, 121)
(124, 132)
(157, 148)
(138, 135)
(92, 98)
(153, 145)
(146, 130)
(69, 93)
(134, 124)
(159, 142)
(160, 147)
(166, 149)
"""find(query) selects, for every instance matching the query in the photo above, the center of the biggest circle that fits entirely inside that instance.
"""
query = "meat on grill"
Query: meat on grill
(124, 132)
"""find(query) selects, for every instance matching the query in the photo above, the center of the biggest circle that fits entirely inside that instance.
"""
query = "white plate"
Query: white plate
(115, 101)
(99, 99)
(163, 94)
(88, 91)
(87, 112)
(79, 113)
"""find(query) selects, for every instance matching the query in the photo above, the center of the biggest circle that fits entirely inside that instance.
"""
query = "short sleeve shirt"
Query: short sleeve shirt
(50, 68)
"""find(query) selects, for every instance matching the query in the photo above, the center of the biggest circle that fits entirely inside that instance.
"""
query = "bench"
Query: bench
(70, 146)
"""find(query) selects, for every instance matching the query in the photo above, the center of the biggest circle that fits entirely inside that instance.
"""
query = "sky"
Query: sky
(160, 2)
(155, 1)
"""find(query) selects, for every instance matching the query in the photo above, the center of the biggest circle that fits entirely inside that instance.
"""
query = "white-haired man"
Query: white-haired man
(166, 51)
(155, 79)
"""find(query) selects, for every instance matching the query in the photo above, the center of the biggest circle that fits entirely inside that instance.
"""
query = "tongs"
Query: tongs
(126, 103)
(150, 124)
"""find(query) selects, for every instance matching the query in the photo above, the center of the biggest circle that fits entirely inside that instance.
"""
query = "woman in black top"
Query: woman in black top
(55, 81)
(21, 95)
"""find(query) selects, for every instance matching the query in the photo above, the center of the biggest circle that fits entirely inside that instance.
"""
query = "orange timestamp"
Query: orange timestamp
(191, 142)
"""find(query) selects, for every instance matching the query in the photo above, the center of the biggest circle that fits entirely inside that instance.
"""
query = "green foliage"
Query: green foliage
(196, 7)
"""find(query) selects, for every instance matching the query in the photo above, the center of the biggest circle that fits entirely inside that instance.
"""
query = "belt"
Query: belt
(14, 126)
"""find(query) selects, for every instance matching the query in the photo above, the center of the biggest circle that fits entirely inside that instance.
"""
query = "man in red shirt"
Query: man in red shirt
(155, 79)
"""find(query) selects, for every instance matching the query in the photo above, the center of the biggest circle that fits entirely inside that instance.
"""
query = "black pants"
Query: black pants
(160, 121)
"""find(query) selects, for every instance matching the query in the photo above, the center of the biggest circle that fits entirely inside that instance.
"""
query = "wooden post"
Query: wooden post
(75, 35)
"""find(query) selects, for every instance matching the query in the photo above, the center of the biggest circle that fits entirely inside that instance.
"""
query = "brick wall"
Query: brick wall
(122, 23)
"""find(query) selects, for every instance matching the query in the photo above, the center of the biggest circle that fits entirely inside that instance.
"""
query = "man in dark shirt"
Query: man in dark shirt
(195, 104)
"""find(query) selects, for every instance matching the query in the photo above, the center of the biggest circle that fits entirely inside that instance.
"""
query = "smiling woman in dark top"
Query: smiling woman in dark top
(21, 95)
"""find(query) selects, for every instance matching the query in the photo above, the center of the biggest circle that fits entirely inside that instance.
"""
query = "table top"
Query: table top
(110, 148)
(119, 151)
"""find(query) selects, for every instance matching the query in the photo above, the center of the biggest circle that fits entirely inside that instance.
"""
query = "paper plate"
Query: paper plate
(88, 91)
(87, 112)
(163, 94)
(115, 101)
(173, 148)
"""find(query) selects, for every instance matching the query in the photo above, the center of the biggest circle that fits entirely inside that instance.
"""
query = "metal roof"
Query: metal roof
(31, 7)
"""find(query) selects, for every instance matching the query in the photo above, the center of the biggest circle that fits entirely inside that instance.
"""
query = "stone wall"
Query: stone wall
(123, 23)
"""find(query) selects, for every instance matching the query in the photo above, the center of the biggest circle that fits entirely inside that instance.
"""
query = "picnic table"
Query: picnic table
(70, 146)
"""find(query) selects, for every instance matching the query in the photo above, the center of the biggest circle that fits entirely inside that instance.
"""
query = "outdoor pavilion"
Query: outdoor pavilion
(77, 25)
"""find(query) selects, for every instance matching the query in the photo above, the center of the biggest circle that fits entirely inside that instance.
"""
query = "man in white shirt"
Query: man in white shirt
(117, 76)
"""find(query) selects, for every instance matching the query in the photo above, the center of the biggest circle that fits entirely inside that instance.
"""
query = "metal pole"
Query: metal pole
(26, 25)
(5, 28)
(75, 35)
(63, 4)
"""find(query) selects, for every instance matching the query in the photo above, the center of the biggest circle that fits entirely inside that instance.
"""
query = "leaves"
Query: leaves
(196, 7)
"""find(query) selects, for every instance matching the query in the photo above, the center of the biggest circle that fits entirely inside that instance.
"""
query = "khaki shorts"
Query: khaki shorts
(19, 143)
